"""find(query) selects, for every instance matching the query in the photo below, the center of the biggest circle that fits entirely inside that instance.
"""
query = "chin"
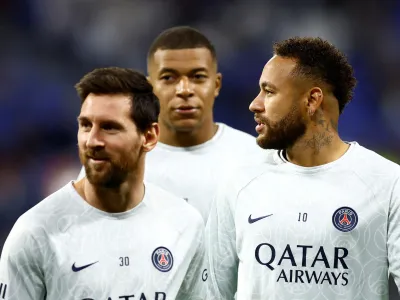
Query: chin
(95, 176)
(266, 144)
(97, 179)
(187, 125)
(260, 140)
(104, 182)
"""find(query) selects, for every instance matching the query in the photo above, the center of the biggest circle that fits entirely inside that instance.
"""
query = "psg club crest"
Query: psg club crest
(162, 259)
(345, 219)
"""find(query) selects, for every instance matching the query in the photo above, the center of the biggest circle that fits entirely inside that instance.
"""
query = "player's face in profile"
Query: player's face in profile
(109, 142)
(186, 83)
(277, 108)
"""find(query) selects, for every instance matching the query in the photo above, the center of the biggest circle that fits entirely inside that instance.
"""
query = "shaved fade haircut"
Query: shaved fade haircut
(320, 61)
(181, 37)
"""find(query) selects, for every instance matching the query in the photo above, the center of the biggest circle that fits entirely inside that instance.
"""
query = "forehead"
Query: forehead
(182, 59)
(278, 70)
(106, 107)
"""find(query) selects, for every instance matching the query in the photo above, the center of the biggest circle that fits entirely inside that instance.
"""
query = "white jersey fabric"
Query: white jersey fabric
(63, 248)
(284, 231)
(193, 172)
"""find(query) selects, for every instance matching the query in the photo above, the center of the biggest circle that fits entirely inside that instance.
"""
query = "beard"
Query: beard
(109, 174)
(283, 134)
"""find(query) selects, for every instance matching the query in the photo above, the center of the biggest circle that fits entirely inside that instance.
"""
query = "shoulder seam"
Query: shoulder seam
(246, 185)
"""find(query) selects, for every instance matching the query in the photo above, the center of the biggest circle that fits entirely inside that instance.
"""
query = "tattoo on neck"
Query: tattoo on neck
(323, 135)
(318, 140)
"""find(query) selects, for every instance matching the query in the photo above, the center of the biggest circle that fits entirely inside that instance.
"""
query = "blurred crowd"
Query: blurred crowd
(47, 45)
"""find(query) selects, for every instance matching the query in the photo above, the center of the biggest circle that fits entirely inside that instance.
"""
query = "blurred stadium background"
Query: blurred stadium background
(47, 45)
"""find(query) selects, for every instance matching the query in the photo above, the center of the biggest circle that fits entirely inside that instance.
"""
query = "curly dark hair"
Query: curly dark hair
(181, 37)
(145, 107)
(321, 61)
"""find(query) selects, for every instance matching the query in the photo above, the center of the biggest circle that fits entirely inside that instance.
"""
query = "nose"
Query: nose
(257, 105)
(94, 139)
(184, 88)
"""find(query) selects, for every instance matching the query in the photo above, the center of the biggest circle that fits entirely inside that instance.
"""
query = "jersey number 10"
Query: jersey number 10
(302, 217)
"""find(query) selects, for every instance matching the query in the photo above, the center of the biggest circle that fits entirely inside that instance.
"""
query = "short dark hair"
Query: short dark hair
(319, 60)
(145, 106)
(181, 37)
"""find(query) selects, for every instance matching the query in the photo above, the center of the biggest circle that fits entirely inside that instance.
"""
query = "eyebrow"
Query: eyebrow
(170, 70)
(266, 84)
(82, 119)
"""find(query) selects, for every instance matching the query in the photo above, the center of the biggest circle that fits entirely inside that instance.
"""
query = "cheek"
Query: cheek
(131, 144)
(276, 108)
(81, 140)
(206, 93)
(130, 155)
(165, 93)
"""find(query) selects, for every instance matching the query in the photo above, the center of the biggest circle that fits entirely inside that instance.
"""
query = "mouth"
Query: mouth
(260, 125)
(186, 109)
(97, 159)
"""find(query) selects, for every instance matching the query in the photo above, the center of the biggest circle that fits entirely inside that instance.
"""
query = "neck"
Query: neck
(197, 136)
(320, 145)
(112, 200)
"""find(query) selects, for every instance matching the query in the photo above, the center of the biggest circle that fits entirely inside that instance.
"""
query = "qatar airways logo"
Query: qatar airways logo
(268, 256)
(141, 296)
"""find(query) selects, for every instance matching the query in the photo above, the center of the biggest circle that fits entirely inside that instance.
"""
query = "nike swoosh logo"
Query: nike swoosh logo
(77, 269)
(251, 221)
